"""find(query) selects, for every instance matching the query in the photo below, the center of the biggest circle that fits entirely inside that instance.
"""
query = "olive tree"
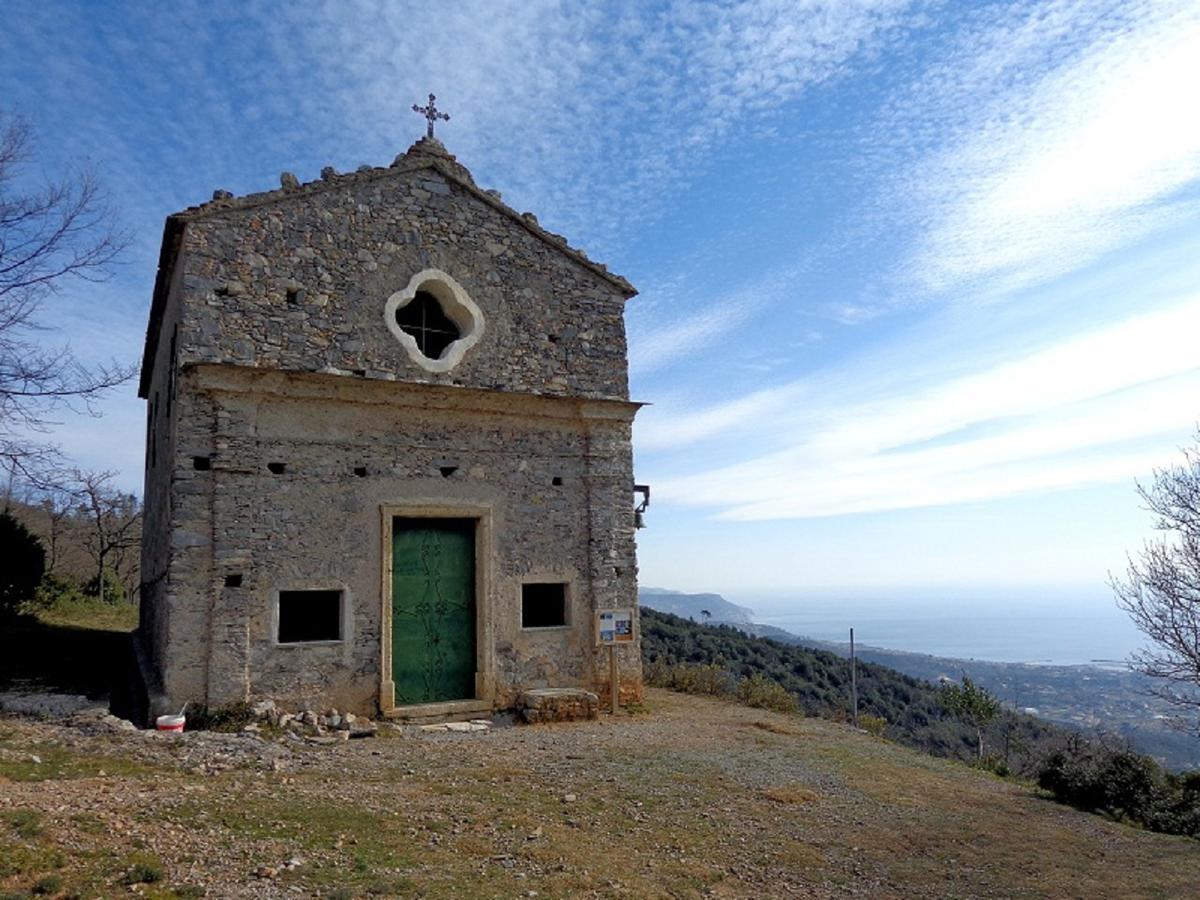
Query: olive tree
(972, 704)
(1161, 588)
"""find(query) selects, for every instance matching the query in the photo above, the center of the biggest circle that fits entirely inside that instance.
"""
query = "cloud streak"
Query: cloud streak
(1082, 140)
(1066, 415)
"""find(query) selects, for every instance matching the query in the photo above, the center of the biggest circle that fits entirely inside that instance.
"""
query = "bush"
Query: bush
(56, 589)
(873, 725)
(114, 591)
(24, 563)
(687, 678)
(47, 885)
(1124, 785)
(231, 717)
(143, 871)
(764, 693)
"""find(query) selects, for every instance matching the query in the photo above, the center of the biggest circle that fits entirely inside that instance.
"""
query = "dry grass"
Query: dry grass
(790, 794)
(697, 797)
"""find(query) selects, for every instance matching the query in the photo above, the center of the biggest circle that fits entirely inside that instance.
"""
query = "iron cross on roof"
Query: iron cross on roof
(431, 114)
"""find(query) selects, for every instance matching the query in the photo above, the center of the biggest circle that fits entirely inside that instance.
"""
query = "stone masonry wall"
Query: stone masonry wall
(272, 348)
(317, 526)
(161, 414)
(552, 326)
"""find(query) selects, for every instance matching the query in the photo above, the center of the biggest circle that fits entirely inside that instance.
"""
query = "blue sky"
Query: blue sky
(920, 282)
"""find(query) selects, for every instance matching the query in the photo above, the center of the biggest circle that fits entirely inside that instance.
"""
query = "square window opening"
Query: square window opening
(543, 605)
(309, 616)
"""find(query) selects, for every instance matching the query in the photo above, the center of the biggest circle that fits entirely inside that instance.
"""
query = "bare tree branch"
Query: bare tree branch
(51, 235)
(1161, 589)
(116, 521)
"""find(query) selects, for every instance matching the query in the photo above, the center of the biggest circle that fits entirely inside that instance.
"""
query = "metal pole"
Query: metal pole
(613, 677)
(853, 681)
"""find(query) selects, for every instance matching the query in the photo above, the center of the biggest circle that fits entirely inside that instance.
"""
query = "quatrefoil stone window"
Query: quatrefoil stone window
(434, 320)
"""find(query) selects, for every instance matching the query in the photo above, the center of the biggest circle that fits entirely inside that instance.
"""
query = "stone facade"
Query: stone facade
(289, 429)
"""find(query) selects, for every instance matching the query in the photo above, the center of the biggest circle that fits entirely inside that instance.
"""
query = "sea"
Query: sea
(1046, 626)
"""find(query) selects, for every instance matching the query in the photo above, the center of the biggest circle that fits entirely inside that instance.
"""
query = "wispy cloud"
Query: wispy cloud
(673, 328)
(1066, 415)
(1081, 138)
(589, 114)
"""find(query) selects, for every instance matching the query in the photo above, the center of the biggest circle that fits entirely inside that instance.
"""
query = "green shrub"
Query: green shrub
(143, 872)
(47, 885)
(873, 725)
(764, 693)
(55, 589)
(114, 591)
(1124, 785)
(688, 678)
(231, 717)
(24, 563)
(26, 823)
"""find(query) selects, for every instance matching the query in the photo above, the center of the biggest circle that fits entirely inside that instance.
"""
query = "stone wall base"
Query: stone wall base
(558, 705)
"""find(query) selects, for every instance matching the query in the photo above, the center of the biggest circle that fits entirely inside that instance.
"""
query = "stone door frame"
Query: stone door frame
(485, 657)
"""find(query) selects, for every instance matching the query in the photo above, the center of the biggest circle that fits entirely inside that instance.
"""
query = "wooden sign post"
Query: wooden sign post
(613, 627)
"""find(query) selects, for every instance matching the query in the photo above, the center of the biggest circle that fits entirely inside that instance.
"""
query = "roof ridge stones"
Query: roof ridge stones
(425, 153)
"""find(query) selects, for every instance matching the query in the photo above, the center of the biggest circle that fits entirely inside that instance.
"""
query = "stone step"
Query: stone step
(558, 705)
(437, 713)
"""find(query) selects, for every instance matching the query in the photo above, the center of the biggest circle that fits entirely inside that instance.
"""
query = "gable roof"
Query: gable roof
(427, 153)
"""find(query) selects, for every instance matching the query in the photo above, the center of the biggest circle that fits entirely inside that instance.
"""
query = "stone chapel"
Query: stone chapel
(388, 460)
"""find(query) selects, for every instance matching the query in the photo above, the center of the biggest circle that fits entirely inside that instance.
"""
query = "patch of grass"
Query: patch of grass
(25, 823)
(380, 842)
(89, 612)
(46, 885)
(791, 794)
(59, 764)
(89, 823)
(396, 887)
(143, 870)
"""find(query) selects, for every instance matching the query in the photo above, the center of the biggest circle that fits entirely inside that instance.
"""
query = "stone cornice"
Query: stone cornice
(233, 379)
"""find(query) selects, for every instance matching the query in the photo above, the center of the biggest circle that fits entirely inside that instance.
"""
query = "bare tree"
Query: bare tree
(115, 519)
(1161, 588)
(56, 503)
(49, 235)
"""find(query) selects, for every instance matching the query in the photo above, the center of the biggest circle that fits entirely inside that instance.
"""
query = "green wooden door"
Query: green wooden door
(433, 610)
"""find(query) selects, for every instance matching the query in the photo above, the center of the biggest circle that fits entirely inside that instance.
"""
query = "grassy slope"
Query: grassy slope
(821, 682)
(694, 795)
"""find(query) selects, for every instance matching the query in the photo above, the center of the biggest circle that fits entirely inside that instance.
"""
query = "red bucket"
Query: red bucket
(169, 723)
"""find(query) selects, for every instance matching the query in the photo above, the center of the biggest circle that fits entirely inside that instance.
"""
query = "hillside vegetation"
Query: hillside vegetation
(820, 682)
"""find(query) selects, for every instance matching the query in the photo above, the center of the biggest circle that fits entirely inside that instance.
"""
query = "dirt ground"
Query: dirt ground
(687, 797)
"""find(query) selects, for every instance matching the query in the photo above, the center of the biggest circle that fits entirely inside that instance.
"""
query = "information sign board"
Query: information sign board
(614, 626)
